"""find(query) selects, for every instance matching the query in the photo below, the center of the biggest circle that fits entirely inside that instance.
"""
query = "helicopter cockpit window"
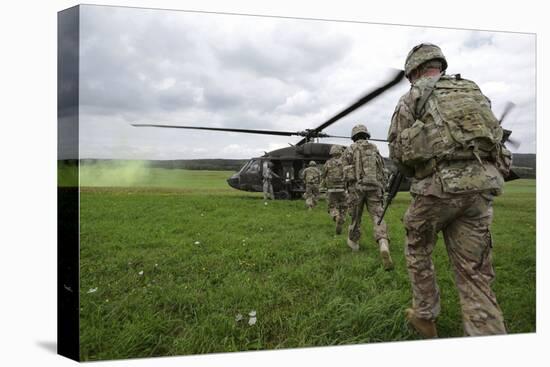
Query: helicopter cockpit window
(254, 167)
(244, 167)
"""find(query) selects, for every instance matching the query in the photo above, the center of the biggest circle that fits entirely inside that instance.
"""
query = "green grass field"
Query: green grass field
(169, 258)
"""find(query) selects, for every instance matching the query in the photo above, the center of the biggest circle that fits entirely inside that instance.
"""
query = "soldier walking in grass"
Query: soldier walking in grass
(312, 177)
(365, 181)
(444, 136)
(332, 178)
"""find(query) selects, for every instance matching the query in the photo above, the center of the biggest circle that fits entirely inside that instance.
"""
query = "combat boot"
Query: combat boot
(339, 226)
(426, 328)
(385, 254)
(353, 245)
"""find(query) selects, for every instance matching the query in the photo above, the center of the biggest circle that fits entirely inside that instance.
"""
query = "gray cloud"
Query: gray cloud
(156, 66)
(476, 40)
(286, 52)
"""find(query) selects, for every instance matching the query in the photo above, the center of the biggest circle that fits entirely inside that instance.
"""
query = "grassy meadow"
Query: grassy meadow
(174, 261)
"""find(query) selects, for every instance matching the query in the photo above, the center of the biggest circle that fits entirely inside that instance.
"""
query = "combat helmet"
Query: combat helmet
(335, 150)
(422, 53)
(312, 163)
(359, 129)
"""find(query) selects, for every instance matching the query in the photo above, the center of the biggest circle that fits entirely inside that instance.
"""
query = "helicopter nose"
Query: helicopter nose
(233, 181)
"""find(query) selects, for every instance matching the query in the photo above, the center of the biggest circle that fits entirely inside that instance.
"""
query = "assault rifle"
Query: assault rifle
(393, 188)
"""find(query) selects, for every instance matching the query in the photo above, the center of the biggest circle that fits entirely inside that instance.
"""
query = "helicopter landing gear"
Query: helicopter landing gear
(297, 195)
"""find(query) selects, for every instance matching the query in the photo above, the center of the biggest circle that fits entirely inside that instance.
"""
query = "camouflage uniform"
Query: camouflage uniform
(267, 178)
(365, 194)
(452, 186)
(332, 177)
(312, 177)
(365, 180)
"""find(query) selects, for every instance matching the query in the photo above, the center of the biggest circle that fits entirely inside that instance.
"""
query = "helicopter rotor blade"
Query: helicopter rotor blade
(509, 106)
(513, 142)
(248, 131)
(366, 98)
(349, 138)
(336, 136)
(307, 134)
(507, 140)
(506, 133)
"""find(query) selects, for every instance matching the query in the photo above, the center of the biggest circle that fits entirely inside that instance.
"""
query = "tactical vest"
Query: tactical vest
(368, 165)
(454, 121)
(334, 173)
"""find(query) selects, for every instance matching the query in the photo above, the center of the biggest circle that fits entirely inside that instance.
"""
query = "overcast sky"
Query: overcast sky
(184, 68)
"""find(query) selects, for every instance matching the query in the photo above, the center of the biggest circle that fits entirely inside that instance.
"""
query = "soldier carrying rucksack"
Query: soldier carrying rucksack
(444, 136)
(365, 180)
(332, 178)
(312, 178)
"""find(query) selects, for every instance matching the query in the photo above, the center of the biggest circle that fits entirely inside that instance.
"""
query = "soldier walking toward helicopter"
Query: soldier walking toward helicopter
(312, 177)
(365, 181)
(444, 136)
(332, 178)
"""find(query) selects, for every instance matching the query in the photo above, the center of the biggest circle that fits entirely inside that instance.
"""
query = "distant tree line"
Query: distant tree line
(191, 164)
(525, 165)
(201, 164)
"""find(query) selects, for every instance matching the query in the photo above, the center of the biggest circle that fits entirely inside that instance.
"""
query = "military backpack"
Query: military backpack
(454, 121)
(312, 175)
(334, 176)
(368, 167)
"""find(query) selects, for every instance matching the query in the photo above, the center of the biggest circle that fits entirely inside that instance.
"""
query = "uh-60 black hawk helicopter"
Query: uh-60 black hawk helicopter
(288, 162)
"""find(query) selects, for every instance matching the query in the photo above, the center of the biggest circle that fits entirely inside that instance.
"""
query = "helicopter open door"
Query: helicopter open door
(287, 177)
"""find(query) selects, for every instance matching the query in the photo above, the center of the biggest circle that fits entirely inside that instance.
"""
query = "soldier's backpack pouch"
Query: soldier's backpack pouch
(468, 176)
(417, 144)
(349, 173)
(370, 169)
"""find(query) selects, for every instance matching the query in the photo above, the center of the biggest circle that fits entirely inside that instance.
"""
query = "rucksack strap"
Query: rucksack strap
(428, 90)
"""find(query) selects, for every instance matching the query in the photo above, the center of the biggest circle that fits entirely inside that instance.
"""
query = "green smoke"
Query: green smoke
(115, 173)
